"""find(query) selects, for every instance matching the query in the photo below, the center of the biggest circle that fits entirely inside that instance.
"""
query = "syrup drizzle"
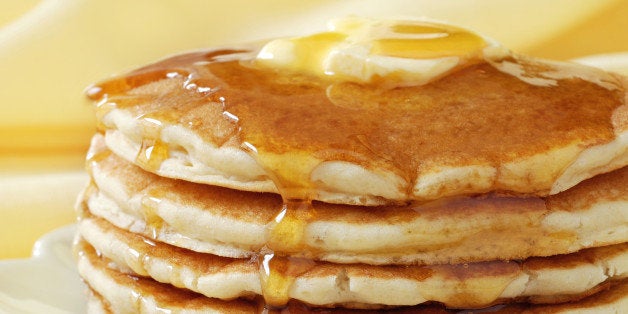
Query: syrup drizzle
(279, 261)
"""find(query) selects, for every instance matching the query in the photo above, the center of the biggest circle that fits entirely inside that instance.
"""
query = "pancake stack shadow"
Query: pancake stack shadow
(222, 187)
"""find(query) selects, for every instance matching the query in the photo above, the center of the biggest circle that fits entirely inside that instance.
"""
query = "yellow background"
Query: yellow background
(51, 50)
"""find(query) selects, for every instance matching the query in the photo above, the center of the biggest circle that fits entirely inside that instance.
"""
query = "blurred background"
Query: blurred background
(51, 50)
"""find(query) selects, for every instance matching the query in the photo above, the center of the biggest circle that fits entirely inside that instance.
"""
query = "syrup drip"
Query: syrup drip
(287, 231)
(279, 265)
(152, 153)
(154, 223)
(277, 274)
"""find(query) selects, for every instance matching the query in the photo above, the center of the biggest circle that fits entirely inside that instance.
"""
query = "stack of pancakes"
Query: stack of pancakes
(219, 185)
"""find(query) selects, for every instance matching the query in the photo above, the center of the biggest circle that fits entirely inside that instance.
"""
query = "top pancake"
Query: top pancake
(513, 124)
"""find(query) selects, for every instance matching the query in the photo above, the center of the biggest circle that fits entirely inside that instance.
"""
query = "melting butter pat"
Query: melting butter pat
(407, 52)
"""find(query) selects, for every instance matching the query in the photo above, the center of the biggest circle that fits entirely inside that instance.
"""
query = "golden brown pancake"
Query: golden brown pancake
(126, 293)
(129, 294)
(358, 169)
(540, 280)
(509, 124)
(455, 230)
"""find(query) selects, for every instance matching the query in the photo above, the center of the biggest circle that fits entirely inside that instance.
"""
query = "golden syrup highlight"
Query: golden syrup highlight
(152, 154)
(286, 232)
(277, 274)
(154, 223)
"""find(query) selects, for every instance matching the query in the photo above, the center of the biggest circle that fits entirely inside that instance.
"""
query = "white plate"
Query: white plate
(47, 282)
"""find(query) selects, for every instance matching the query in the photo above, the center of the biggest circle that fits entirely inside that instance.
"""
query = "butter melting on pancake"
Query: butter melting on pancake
(389, 52)
(224, 117)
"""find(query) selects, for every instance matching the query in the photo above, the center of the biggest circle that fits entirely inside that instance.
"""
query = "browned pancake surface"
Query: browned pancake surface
(475, 116)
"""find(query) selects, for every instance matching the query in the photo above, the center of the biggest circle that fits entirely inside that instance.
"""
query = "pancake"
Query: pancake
(409, 166)
(216, 117)
(120, 292)
(138, 295)
(475, 285)
(236, 224)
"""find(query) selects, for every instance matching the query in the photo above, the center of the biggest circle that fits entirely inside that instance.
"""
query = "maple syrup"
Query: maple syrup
(152, 153)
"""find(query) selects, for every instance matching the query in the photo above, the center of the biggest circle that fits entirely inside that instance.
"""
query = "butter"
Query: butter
(406, 52)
